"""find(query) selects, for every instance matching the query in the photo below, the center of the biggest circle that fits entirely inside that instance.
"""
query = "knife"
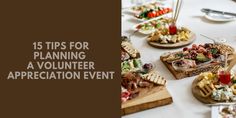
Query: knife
(205, 10)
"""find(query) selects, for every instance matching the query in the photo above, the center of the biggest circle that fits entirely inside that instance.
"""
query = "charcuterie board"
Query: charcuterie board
(174, 45)
(191, 62)
(211, 88)
(164, 38)
(148, 98)
(141, 86)
(198, 96)
(190, 73)
(217, 86)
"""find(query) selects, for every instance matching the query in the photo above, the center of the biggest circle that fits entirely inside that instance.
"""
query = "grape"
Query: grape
(185, 49)
(148, 66)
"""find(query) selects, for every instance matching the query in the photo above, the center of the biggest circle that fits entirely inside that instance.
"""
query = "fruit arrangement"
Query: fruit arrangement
(153, 25)
(219, 87)
(135, 75)
(166, 36)
(153, 13)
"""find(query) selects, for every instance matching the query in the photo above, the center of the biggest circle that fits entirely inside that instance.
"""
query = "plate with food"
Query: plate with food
(191, 61)
(211, 87)
(166, 37)
(224, 111)
(151, 26)
(147, 6)
(141, 87)
(153, 13)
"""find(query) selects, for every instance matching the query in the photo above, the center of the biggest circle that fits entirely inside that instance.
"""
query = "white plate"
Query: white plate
(162, 6)
(215, 111)
(147, 3)
(219, 17)
(147, 32)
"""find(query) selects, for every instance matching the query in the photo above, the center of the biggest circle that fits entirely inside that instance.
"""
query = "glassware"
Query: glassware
(224, 77)
(172, 29)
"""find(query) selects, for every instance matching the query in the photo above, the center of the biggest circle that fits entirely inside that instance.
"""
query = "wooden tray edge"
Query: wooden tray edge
(146, 106)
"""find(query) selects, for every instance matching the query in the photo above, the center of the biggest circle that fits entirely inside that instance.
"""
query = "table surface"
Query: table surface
(184, 104)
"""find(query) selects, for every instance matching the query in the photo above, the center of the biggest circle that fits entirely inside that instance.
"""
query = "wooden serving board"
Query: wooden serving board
(174, 45)
(196, 93)
(148, 98)
(197, 71)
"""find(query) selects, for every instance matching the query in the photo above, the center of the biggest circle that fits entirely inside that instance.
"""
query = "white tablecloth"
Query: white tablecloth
(184, 105)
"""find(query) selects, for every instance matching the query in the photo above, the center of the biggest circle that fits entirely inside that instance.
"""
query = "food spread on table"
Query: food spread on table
(196, 59)
(214, 83)
(153, 25)
(141, 86)
(145, 7)
(228, 111)
(136, 75)
(166, 36)
(220, 87)
(152, 13)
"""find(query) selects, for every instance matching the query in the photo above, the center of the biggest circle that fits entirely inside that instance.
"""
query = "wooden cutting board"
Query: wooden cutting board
(198, 96)
(148, 98)
(193, 72)
(206, 100)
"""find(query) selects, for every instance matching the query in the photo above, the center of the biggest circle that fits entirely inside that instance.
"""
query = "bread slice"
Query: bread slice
(207, 90)
(154, 78)
(127, 46)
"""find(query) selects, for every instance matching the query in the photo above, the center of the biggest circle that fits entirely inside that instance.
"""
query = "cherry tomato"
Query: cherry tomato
(168, 9)
(164, 11)
(157, 13)
(151, 14)
(154, 14)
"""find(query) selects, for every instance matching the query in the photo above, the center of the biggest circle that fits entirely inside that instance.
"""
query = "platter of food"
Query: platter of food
(147, 6)
(196, 59)
(223, 111)
(151, 26)
(216, 86)
(165, 37)
(152, 13)
(141, 87)
(210, 87)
